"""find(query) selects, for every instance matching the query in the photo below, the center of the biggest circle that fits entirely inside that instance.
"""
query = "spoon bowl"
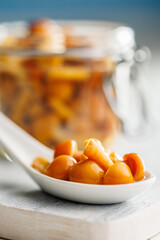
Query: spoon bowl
(23, 148)
(92, 193)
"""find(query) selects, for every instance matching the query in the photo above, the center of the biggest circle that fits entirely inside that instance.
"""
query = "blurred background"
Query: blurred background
(142, 15)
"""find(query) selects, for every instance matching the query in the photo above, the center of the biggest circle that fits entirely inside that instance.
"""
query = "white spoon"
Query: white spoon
(24, 149)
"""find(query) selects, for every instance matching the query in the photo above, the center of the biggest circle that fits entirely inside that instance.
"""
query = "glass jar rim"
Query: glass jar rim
(113, 38)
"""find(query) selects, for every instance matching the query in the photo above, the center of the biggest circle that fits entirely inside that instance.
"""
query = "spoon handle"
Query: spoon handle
(19, 144)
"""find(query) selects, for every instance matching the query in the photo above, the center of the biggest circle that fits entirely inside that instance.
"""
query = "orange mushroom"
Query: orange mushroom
(40, 164)
(79, 156)
(135, 163)
(60, 167)
(86, 171)
(118, 173)
(95, 152)
(115, 157)
(95, 139)
(68, 147)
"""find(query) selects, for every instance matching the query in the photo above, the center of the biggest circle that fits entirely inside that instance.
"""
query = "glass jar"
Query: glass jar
(66, 80)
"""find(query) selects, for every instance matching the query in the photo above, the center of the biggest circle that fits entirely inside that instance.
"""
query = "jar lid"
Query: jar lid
(76, 38)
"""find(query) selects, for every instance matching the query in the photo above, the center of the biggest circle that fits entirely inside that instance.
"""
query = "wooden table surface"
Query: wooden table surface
(27, 211)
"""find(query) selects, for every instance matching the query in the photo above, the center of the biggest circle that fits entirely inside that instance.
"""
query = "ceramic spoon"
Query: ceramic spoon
(23, 148)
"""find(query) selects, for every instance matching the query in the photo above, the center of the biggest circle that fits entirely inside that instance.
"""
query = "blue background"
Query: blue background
(142, 15)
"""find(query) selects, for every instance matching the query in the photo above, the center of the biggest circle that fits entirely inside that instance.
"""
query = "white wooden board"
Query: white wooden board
(27, 213)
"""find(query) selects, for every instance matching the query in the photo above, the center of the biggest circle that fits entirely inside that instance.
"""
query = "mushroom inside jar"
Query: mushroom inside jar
(56, 96)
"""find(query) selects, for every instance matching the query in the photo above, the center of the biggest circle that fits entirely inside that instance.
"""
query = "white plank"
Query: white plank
(28, 212)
